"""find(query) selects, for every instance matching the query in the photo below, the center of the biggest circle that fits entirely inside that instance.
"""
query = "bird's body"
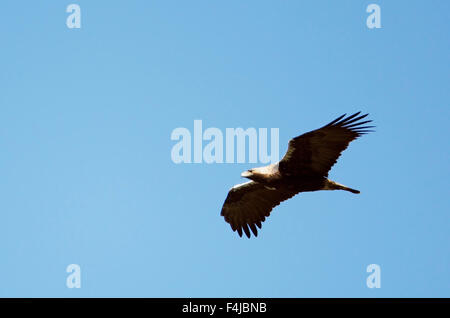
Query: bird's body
(275, 179)
(304, 168)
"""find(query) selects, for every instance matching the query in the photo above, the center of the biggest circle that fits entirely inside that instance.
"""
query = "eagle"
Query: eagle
(303, 168)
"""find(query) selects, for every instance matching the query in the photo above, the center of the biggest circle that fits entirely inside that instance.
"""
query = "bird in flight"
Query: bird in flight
(304, 168)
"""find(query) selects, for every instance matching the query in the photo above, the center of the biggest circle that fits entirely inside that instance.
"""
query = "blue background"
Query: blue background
(86, 175)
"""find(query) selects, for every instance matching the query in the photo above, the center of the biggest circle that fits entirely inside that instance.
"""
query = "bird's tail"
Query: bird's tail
(331, 185)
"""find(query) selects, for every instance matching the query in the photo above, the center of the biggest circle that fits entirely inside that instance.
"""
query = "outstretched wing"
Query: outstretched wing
(318, 150)
(247, 206)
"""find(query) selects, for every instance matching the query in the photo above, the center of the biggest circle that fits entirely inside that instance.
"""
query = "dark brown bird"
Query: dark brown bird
(304, 167)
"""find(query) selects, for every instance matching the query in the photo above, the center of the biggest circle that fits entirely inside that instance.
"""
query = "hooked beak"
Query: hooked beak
(246, 174)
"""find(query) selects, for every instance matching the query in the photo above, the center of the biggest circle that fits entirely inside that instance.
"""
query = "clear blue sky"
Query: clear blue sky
(85, 169)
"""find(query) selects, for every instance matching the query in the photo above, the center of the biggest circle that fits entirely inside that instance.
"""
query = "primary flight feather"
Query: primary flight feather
(304, 167)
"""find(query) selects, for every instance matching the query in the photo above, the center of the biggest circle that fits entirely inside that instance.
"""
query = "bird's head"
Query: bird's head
(257, 174)
(247, 174)
(260, 173)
